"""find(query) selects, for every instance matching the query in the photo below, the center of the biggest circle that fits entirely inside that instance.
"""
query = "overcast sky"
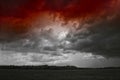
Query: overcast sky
(80, 33)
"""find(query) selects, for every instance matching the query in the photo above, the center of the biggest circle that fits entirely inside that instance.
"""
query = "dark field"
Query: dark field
(82, 74)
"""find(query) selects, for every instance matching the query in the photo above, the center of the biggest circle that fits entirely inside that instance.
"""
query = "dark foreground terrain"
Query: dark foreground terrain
(46, 74)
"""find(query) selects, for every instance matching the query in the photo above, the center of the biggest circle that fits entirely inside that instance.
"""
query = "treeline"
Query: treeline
(46, 67)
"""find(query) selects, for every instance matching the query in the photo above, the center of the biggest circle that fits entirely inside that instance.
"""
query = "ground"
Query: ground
(82, 74)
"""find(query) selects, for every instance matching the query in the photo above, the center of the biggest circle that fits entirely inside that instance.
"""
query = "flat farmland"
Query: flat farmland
(82, 74)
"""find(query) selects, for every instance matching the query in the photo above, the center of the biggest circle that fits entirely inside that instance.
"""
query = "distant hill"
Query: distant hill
(46, 67)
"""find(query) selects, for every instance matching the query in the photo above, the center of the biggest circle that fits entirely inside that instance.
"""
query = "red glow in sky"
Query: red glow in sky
(21, 12)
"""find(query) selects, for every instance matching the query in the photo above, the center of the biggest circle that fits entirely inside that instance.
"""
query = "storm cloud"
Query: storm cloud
(59, 32)
(101, 38)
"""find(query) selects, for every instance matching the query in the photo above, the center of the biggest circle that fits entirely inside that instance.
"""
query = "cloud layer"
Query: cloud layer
(16, 16)
(51, 31)
(100, 38)
(22, 9)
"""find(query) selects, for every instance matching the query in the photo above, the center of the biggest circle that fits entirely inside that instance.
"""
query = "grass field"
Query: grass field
(85, 74)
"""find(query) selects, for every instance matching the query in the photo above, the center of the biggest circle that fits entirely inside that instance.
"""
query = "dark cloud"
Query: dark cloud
(99, 38)
(103, 38)
(10, 32)
(41, 42)
(16, 16)
(25, 36)
(67, 8)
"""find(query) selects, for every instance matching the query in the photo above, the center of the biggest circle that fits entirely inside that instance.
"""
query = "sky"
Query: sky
(82, 33)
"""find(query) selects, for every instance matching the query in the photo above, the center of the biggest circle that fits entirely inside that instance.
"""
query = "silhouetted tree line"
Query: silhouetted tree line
(46, 67)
